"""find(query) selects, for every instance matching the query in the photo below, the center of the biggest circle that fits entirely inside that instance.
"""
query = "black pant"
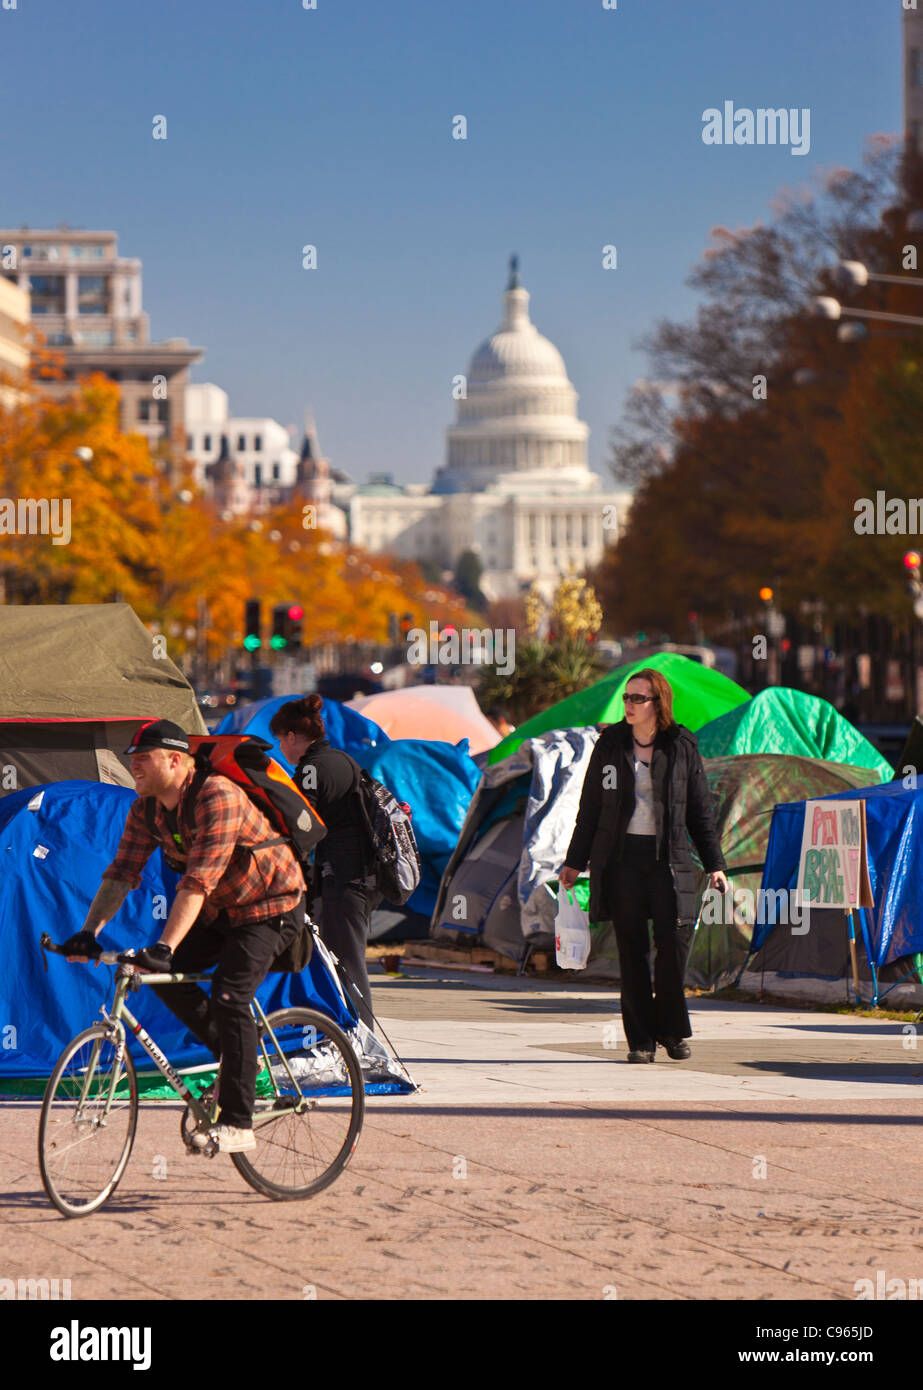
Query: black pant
(223, 1021)
(640, 889)
(342, 912)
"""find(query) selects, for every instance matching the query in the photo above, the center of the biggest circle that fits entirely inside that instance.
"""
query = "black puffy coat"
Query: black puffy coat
(682, 807)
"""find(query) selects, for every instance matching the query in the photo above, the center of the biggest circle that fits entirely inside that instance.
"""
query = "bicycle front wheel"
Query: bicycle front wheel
(309, 1112)
(88, 1121)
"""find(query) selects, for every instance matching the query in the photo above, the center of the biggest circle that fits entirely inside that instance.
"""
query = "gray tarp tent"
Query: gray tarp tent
(76, 680)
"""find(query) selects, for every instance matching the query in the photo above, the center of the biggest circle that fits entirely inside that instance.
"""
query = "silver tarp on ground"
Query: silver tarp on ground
(513, 842)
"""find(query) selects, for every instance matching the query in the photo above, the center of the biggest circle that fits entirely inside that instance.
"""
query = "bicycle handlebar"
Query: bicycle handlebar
(105, 957)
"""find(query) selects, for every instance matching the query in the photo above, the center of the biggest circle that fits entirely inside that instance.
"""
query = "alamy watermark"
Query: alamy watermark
(764, 126)
(775, 906)
(30, 1289)
(881, 1287)
(888, 516)
(76, 1343)
(36, 516)
(462, 647)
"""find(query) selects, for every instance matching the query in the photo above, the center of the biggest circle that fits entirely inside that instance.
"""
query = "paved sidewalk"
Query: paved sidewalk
(781, 1161)
(503, 1039)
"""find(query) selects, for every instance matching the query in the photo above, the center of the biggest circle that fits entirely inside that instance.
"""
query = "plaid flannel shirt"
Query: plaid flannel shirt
(215, 828)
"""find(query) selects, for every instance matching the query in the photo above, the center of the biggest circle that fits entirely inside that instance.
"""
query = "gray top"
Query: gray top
(642, 821)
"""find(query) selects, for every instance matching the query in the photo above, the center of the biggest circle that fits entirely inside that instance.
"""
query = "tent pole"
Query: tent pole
(852, 954)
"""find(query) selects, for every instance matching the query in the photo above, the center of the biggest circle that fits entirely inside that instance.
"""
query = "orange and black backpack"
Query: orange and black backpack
(243, 759)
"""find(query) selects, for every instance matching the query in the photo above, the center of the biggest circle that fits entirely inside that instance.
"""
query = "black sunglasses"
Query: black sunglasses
(639, 699)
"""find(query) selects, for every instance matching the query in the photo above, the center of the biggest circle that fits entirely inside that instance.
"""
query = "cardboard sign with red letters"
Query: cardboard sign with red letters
(833, 868)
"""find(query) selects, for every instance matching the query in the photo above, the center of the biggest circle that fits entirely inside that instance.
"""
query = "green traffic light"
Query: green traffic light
(277, 642)
(252, 642)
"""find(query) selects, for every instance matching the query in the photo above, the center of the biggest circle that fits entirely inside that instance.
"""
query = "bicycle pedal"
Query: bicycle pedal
(209, 1151)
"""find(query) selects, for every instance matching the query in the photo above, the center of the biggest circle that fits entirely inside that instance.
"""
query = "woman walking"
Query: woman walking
(644, 789)
(344, 890)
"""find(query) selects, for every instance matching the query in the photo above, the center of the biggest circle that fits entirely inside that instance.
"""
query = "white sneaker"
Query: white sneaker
(231, 1140)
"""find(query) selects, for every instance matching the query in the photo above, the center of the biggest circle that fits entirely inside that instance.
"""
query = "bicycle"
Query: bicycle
(90, 1106)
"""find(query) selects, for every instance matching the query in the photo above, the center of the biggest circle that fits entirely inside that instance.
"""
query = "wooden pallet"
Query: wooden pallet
(459, 957)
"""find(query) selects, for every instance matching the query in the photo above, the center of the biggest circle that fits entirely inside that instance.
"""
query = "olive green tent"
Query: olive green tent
(780, 720)
(76, 681)
(699, 695)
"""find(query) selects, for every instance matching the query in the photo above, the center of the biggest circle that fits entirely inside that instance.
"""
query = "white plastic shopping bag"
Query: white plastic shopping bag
(571, 932)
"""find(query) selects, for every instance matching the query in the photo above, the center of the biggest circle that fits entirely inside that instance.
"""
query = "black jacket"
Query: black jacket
(682, 807)
(329, 779)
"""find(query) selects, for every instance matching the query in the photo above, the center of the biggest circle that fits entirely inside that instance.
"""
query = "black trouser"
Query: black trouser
(223, 1021)
(640, 889)
(342, 911)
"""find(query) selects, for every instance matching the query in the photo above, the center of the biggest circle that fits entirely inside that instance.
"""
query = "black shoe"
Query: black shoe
(677, 1048)
(640, 1056)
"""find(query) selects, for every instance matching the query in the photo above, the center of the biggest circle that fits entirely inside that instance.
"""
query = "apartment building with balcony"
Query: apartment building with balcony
(85, 299)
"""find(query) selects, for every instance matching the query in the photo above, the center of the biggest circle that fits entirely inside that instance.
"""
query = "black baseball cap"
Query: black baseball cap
(159, 733)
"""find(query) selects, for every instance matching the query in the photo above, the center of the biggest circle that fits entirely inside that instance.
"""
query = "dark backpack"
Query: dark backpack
(243, 759)
(390, 842)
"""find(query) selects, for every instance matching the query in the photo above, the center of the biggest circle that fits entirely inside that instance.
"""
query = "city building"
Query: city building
(913, 78)
(86, 300)
(259, 444)
(515, 488)
(248, 465)
(14, 347)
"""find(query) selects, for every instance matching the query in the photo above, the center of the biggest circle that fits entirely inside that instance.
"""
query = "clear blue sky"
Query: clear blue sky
(332, 126)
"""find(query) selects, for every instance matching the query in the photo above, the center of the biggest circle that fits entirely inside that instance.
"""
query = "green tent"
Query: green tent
(699, 695)
(780, 720)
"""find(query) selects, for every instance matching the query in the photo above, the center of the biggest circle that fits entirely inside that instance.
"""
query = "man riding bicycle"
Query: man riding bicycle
(239, 904)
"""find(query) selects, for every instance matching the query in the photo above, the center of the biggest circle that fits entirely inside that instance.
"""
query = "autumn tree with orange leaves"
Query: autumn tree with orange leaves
(141, 535)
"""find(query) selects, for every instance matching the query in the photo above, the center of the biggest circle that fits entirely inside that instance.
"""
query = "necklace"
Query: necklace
(646, 745)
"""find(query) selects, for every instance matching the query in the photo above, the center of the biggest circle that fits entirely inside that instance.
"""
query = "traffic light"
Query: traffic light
(406, 623)
(294, 626)
(766, 595)
(287, 626)
(912, 561)
(252, 625)
(279, 641)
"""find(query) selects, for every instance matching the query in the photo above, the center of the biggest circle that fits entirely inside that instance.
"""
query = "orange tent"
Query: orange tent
(408, 714)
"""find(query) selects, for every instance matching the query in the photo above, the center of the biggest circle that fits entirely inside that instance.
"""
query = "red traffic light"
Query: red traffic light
(912, 560)
(296, 612)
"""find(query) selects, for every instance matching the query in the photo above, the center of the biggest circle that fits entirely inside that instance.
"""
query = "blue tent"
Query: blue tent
(346, 728)
(437, 780)
(55, 842)
(893, 929)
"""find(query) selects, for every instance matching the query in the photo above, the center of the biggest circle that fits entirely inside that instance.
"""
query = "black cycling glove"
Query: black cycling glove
(82, 943)
(158, 958)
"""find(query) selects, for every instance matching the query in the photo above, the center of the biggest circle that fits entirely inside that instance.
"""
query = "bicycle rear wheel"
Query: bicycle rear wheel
(88, 1121)
(305, 1134)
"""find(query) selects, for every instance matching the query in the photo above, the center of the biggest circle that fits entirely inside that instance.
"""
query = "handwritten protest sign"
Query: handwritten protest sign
(833, 869)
